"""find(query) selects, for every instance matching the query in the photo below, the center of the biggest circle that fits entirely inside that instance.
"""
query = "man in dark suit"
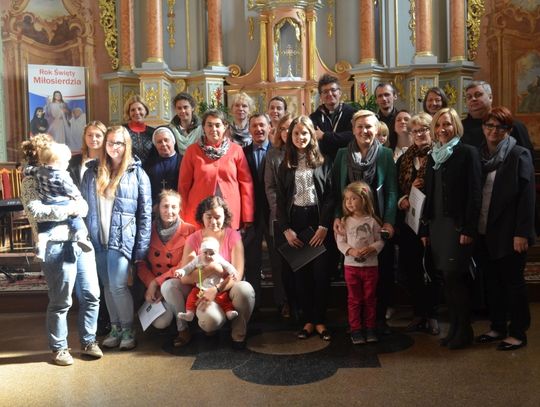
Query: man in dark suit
(259, 128)
(479, 99)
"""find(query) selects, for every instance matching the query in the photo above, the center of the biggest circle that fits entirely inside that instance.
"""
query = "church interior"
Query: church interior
(213, 50)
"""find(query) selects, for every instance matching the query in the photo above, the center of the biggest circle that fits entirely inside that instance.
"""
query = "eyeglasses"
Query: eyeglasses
(418, 132)
(330, 90)
(116, 144)
(499, 128)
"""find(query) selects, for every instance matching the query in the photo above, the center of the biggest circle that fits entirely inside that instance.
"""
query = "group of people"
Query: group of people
(189, 205)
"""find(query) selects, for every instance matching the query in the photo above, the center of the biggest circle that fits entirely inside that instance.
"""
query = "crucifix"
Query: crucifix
(163, 184)
(289, 52)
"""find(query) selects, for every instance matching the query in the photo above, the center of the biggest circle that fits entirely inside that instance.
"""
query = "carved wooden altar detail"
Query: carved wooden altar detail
(288, 63)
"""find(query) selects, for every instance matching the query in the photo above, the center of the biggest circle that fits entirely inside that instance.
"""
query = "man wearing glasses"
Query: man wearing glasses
(479, 99)
(332, 119)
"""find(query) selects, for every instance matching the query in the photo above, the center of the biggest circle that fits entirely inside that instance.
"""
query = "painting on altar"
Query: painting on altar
(528, 81)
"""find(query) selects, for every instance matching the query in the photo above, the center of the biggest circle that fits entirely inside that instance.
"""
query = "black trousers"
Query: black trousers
(506, 292)
(424, 294)
(312, 281)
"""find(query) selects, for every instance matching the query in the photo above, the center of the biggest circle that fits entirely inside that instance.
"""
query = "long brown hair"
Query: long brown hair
(98, 125)
(107, 179)
(314, 158)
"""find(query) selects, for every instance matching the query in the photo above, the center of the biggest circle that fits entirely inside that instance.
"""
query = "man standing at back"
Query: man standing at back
(479, 99)
(332, 119)
(385, 97)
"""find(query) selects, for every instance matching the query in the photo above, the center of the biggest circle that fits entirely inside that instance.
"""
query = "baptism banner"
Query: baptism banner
(57, 102)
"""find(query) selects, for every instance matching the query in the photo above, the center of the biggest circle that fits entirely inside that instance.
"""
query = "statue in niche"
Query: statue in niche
(287, 51)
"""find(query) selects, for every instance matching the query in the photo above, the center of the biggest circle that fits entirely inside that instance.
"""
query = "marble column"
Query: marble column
(424, 33)
(127, 36)
(367, 33)
(215, 49)
(457, 30)
(154, 32)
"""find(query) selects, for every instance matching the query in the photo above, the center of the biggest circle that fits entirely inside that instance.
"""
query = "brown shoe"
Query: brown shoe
(182, 338)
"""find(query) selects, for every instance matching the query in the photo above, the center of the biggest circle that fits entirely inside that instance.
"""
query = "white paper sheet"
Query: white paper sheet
(148, 313)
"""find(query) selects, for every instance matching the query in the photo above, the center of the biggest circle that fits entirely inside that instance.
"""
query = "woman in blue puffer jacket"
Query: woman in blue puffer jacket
(119, 221)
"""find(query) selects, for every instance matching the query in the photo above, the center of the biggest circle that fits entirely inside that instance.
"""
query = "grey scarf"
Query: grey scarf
(362, 168)
(165, 234)
(492, 162)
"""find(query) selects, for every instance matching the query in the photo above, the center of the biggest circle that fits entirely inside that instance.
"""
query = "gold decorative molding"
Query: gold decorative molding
(166, 100)
(251, 28)
(113, 103)
(422, 92)
(263, 50)
(412, 22)
(398, 84)
(330, 25)
(127, 95)
(151, 97)
(197, 95)
(107, 19)
(188, 42)
(235, 70)
(475, 10)
(295, 24)
(301, 15)
(170, 22)
(451, 94)
(180, 85)
(412, 95)
(330, 3)
(342, 66)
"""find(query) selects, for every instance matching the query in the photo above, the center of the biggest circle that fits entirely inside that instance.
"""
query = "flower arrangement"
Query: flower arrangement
(366, 101)
(216, 102)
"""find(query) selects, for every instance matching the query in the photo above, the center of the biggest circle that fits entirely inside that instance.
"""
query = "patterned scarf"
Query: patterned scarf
(406, 167)
(165, 234)
(360, 169)
(214, 153)
(491, 162)
(184, 137)
(442, 152)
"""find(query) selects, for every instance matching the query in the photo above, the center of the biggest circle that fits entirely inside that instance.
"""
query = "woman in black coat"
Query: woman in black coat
(453, 195)
(506, 229)
(305, 199)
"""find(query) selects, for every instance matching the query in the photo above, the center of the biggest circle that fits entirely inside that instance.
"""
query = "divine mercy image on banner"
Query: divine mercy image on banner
(57, 102)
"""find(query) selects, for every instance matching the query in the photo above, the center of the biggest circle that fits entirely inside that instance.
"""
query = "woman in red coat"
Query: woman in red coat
(216, 166)
(169, 233)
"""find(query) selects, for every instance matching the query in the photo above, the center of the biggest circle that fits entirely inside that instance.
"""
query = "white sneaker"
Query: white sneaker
(113, 339)
(62, 357)
(186, 316)
(92, 349)
(231, 315)
(128, 340)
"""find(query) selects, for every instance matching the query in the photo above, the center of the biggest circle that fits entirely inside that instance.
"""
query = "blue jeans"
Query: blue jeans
(62, 277)
(113, 269)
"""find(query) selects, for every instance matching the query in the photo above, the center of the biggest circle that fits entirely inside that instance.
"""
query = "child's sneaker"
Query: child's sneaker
(371, 337)
(357, 338)
(62, 357)
(128, 340)
(92, 349)
(231, 315)
(186, 316)
(113, 339)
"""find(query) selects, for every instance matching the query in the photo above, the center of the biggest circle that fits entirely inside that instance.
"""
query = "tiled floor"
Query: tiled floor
(276, 369)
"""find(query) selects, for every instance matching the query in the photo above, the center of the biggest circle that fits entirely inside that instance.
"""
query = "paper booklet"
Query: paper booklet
(149, 312)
